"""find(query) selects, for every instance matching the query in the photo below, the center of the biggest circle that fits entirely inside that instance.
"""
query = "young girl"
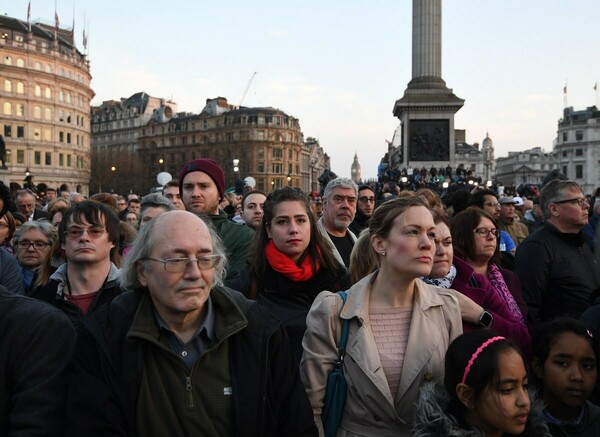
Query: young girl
(564, 357)
(485, 392)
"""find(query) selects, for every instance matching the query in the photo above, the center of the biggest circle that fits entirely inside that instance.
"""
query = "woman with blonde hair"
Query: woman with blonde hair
(384, 377)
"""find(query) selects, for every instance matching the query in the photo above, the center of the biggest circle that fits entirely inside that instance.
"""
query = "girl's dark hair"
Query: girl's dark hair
(463, 238)
(324, 257)
(484, 371)
(546, 335)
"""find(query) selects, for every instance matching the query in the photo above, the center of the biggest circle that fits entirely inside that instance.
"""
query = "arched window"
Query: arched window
(37, 112)
(38, 66)
(68, 97)
(48, 93)
(7, 86)
(20, 88)
(48, 114)
(48, 68)
(38, 91)
(7, 108)
(8, 60)
(20, 62)
(61, 96)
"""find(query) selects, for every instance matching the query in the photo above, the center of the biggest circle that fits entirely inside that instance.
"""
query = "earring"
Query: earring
(383, 252)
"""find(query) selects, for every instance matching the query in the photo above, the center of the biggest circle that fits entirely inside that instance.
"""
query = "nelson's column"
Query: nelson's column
(426, 111)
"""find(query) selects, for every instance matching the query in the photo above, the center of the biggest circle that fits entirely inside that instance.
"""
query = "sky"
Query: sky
(339, 66)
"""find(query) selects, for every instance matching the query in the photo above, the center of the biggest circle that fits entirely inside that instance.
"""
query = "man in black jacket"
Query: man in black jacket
(179, 354)
(555, 265)
(36, 344)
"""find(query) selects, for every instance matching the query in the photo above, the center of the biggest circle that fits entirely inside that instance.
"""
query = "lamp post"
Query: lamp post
(27, 172)
(289, 179)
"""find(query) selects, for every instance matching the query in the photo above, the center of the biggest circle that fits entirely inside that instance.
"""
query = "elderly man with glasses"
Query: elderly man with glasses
(555, 265)
(179, 353)
(89, 237)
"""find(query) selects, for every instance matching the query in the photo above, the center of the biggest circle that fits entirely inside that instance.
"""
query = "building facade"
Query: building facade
(44, 105)
(267, 143)
(577, 147)
(116, 125)
(526, 167)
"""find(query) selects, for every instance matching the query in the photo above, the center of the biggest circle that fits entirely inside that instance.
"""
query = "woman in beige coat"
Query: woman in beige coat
(400, 327)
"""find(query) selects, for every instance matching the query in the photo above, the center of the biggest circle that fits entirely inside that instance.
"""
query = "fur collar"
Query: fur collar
(432, 420)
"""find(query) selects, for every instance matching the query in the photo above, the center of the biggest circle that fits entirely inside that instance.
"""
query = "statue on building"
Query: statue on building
(324, 179)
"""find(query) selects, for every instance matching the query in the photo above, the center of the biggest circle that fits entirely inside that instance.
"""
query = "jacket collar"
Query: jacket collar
(60, 276)
(357, 304)
(578, 238)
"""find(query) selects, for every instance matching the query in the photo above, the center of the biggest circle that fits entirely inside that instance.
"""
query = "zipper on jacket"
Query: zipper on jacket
(190, 393)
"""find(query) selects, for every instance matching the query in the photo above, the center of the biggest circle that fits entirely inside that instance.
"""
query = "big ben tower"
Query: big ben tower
(355, 170)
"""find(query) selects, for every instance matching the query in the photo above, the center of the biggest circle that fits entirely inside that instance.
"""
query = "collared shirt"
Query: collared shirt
(202, 340)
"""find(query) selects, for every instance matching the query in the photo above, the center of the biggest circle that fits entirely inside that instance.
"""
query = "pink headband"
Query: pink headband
(476, 354)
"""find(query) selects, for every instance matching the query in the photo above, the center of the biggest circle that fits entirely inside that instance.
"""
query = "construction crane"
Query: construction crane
(247, 88)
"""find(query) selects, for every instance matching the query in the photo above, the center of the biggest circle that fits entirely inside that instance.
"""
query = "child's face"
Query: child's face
(568, 374)
(503, 407)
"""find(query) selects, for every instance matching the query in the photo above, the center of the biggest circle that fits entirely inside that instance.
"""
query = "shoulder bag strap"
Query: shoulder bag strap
(344, 334)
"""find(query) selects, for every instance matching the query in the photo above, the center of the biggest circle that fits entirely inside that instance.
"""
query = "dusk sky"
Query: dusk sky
(340, 66)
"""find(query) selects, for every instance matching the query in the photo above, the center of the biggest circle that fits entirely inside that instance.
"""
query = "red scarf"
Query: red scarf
(283, 264)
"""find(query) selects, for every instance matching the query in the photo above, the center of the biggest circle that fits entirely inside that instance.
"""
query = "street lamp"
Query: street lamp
(272, 184)
(113, 168)
(161, 161)
(27, 172)
(289, 179)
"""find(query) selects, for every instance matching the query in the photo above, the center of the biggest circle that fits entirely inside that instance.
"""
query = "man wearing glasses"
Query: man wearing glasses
(89, 237)
(555, 265)
(339, 208)
(364, 208)
(179, 354)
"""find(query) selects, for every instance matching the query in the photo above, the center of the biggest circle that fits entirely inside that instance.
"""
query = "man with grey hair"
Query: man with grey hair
(555, 265)
(152, 206)
(339, 209)
(178, 342)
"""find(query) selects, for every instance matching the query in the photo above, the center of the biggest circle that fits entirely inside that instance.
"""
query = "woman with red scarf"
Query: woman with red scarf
(291, 263)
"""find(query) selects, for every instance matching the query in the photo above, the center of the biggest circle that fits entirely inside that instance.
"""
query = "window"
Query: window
(38, 91)
(290, 153)
(7, 130)
(20, 62)
(48, 93)
(277, 168)
(277, 153)
(68, 97)
(564, 153)
(37, 133)
(578, 171)
(20, 88)
(578, 152)
(38, 66)
(61, 159)
(37, 157)
(68, 138)
(68, 160)
(7, 86)
(48, 114)
(61, 96)
(47, 135)
(61, 136)
(578, 135)
(261, 167)
(20, 156)
(8, 60)
(20, 131)
(564, 170)
(7, 108)
(48, 158)
(48, 68)
(261, 152)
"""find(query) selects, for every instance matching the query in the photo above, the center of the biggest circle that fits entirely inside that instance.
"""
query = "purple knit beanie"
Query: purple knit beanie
(208, 166)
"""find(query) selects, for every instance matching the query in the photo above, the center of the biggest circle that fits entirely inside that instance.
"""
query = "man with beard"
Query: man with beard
(339, 209)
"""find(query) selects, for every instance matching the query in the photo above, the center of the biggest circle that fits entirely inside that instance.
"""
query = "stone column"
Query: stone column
(427, 38)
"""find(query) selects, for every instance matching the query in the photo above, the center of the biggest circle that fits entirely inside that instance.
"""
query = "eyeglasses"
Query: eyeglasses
(492, 204)
(76, 233)
(340, 199)
(178, 265)
(37, 245)
(485, 232)
(365, 199)
(579, 201)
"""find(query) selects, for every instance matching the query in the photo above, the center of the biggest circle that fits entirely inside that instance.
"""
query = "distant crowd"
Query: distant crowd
(369, 310)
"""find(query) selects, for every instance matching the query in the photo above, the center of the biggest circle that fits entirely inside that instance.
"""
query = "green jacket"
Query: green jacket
(237, 240)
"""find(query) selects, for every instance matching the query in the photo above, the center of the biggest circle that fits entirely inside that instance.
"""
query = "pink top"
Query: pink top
(390, 329)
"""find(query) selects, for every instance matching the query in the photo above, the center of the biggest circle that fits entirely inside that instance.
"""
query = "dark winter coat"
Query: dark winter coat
(268, 396)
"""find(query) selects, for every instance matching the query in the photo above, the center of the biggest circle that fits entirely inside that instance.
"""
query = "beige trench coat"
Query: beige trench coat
(370, 407)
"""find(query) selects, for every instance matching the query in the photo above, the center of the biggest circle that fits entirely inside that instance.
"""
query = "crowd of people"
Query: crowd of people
(199, 311)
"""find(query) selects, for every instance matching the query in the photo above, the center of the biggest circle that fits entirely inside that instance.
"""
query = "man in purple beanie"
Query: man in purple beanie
(202, 184)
